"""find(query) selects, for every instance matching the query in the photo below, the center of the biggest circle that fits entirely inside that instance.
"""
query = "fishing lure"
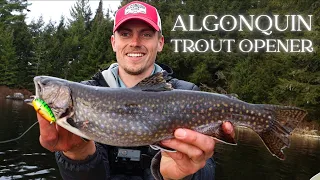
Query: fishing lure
(43, 109)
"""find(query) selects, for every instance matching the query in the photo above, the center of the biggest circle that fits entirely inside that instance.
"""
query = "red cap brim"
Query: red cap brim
(150, 22)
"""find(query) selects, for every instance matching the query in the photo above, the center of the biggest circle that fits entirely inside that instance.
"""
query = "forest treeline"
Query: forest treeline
(77, 47)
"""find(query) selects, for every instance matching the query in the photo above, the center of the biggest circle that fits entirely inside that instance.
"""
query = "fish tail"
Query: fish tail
(284, 120)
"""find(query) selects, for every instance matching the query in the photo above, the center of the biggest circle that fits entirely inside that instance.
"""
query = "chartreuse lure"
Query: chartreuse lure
(43, 109)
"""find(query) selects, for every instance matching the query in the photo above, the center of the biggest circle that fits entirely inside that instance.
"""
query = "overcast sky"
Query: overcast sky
(53, 9)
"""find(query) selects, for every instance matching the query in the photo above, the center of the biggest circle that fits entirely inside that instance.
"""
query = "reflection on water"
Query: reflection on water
(250, 159)
(25, 158)
(16, 106)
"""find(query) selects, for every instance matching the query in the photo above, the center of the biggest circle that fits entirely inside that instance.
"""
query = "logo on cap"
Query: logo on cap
(135, 8)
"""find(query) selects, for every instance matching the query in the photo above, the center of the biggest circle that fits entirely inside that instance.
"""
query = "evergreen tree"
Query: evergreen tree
(12, 20)
(8, 68)
(100, 51)
(78, 38)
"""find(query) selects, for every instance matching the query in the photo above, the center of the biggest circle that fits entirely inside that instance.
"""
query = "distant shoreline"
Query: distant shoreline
(5, 91)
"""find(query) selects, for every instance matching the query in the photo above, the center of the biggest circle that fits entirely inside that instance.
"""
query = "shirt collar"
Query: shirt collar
(115, 72)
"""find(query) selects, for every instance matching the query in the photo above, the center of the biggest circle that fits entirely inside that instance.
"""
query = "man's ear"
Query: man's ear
(112, 39)
(160, 43)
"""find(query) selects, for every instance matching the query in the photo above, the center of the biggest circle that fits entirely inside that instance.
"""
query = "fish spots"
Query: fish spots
(225, 104)
(96, 123)
(120, 126)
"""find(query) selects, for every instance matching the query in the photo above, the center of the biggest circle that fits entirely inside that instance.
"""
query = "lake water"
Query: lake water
(26, 159)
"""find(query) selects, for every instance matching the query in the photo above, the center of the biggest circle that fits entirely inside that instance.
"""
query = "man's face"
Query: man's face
(136, 45)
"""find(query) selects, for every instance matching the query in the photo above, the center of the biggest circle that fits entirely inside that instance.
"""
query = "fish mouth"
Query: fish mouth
(38, 86)
(41, 83)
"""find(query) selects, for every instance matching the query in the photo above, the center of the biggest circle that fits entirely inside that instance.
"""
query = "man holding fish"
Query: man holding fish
(136, 40)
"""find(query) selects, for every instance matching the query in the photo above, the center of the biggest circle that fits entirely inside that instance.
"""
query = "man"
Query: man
(136, 40)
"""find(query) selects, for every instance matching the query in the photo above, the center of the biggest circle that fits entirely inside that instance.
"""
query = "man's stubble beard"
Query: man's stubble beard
(134, 72)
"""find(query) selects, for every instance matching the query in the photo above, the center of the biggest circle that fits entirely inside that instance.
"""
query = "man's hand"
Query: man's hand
(56, 138)
(193, 150)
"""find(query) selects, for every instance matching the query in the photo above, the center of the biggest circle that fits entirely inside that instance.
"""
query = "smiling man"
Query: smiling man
(136, 44)
(136, 41)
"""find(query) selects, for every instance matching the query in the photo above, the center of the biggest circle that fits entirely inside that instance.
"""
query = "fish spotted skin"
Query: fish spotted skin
(152, 111)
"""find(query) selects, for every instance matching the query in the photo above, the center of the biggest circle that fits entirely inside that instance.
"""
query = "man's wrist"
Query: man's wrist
(82, 151)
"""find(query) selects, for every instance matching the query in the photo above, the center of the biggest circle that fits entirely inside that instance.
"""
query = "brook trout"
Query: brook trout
(151, 111)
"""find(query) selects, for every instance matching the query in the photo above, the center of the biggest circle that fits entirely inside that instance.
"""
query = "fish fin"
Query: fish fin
(158, 146)
(65, 123)
(155, 82)
(217, 133)
(275, 141)
(222, 136)
(226, 138)
(283, 121)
